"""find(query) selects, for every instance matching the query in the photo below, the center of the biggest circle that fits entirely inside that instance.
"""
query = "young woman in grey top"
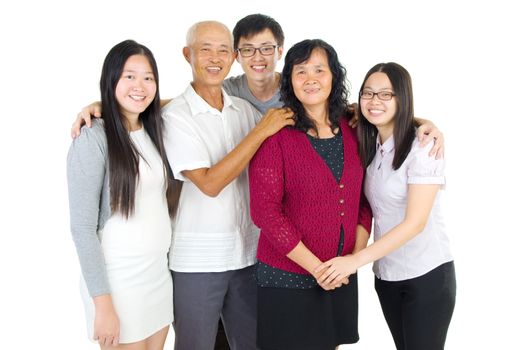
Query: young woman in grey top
(121, 199)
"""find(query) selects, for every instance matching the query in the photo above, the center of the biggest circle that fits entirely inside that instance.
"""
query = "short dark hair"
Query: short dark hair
(254, 24)
(338, 99)
(404, 125)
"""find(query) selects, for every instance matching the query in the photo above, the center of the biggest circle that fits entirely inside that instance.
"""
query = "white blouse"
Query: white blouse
(386, 189)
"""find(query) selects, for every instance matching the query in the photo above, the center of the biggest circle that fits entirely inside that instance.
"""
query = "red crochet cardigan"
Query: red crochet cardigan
(295, 197)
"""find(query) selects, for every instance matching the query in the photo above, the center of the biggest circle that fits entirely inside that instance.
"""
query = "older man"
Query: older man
(210, 138)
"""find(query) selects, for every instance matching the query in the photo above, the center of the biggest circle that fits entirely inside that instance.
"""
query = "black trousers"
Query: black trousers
(418, 311)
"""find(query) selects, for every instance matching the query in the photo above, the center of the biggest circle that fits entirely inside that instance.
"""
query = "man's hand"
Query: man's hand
(85, 117)
(428, 132)
(353, 111)
(274, 120)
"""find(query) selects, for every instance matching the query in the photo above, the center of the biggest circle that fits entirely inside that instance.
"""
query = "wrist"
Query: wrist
(103, 302)
(259, 133)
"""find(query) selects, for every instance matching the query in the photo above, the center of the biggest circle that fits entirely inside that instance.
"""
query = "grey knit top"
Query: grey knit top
(89, 195)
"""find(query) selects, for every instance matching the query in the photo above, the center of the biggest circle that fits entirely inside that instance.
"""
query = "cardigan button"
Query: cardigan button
(341, 201)
(342, 213)
(341, 185)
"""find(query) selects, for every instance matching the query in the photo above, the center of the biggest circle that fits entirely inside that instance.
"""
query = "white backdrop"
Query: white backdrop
(468, 64)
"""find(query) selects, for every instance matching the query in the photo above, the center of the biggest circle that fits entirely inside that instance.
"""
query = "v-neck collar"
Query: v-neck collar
(320, 162)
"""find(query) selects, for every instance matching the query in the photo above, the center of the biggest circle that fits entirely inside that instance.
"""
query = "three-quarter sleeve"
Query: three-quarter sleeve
(266, 188)
(86, 172)
(365, 213)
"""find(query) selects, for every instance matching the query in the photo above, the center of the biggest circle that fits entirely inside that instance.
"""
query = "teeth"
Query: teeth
(259, 67)
(213, 68)
(137, 98)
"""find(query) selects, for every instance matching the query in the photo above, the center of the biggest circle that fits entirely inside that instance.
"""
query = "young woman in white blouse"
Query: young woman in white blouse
(415, 276)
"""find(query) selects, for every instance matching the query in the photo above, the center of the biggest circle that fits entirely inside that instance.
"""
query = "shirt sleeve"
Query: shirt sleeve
(185, 149)
(424, 169)
(85, 173)
(266, 188)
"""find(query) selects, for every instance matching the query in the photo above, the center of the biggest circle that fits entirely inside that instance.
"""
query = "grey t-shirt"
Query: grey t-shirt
(238, 86)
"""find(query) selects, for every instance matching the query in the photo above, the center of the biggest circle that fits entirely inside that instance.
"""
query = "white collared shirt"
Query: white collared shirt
(209, 234)
(386, 189)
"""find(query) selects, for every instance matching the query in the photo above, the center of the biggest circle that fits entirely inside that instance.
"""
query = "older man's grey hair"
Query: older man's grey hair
(191, 33)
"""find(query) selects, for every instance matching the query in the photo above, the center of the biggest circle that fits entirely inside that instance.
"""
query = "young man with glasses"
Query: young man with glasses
(259, 41)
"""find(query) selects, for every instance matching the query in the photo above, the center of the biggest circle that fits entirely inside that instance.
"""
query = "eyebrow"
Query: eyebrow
(382, 89)
(207, 44)
(261, 44)
(298, 66)
(135, 71)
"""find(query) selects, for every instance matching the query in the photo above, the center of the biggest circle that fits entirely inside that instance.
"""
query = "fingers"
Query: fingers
(76, 126)
(424, 138)
(115, 342)
(321, 267)
(437, 151)
(108, 340)
(438, 147)
(329, 277)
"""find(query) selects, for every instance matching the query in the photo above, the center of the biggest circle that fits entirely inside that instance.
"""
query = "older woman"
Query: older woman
(305, 186)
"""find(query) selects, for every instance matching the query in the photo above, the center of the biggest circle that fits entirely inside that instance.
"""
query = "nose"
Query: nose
(138, 85)
(310, 78)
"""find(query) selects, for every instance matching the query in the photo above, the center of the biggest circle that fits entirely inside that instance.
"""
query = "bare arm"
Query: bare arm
(362, 237)
(419, 204)
(211, 181)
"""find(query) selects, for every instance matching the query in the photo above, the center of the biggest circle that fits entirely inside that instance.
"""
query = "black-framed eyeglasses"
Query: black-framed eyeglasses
(382, 95)
(266, 50)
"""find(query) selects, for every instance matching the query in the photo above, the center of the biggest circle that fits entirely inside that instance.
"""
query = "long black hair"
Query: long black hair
(123, 157)
(404, 124)
(338, 99)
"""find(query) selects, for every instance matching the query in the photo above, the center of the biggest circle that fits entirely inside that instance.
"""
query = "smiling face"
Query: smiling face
(312, 79)
(379, 113)
(136, 87)
(259, 67)
(210, 54)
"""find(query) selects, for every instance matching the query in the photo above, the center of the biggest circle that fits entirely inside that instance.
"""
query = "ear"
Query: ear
(237, 56)
(187, 54)
(280, 49)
